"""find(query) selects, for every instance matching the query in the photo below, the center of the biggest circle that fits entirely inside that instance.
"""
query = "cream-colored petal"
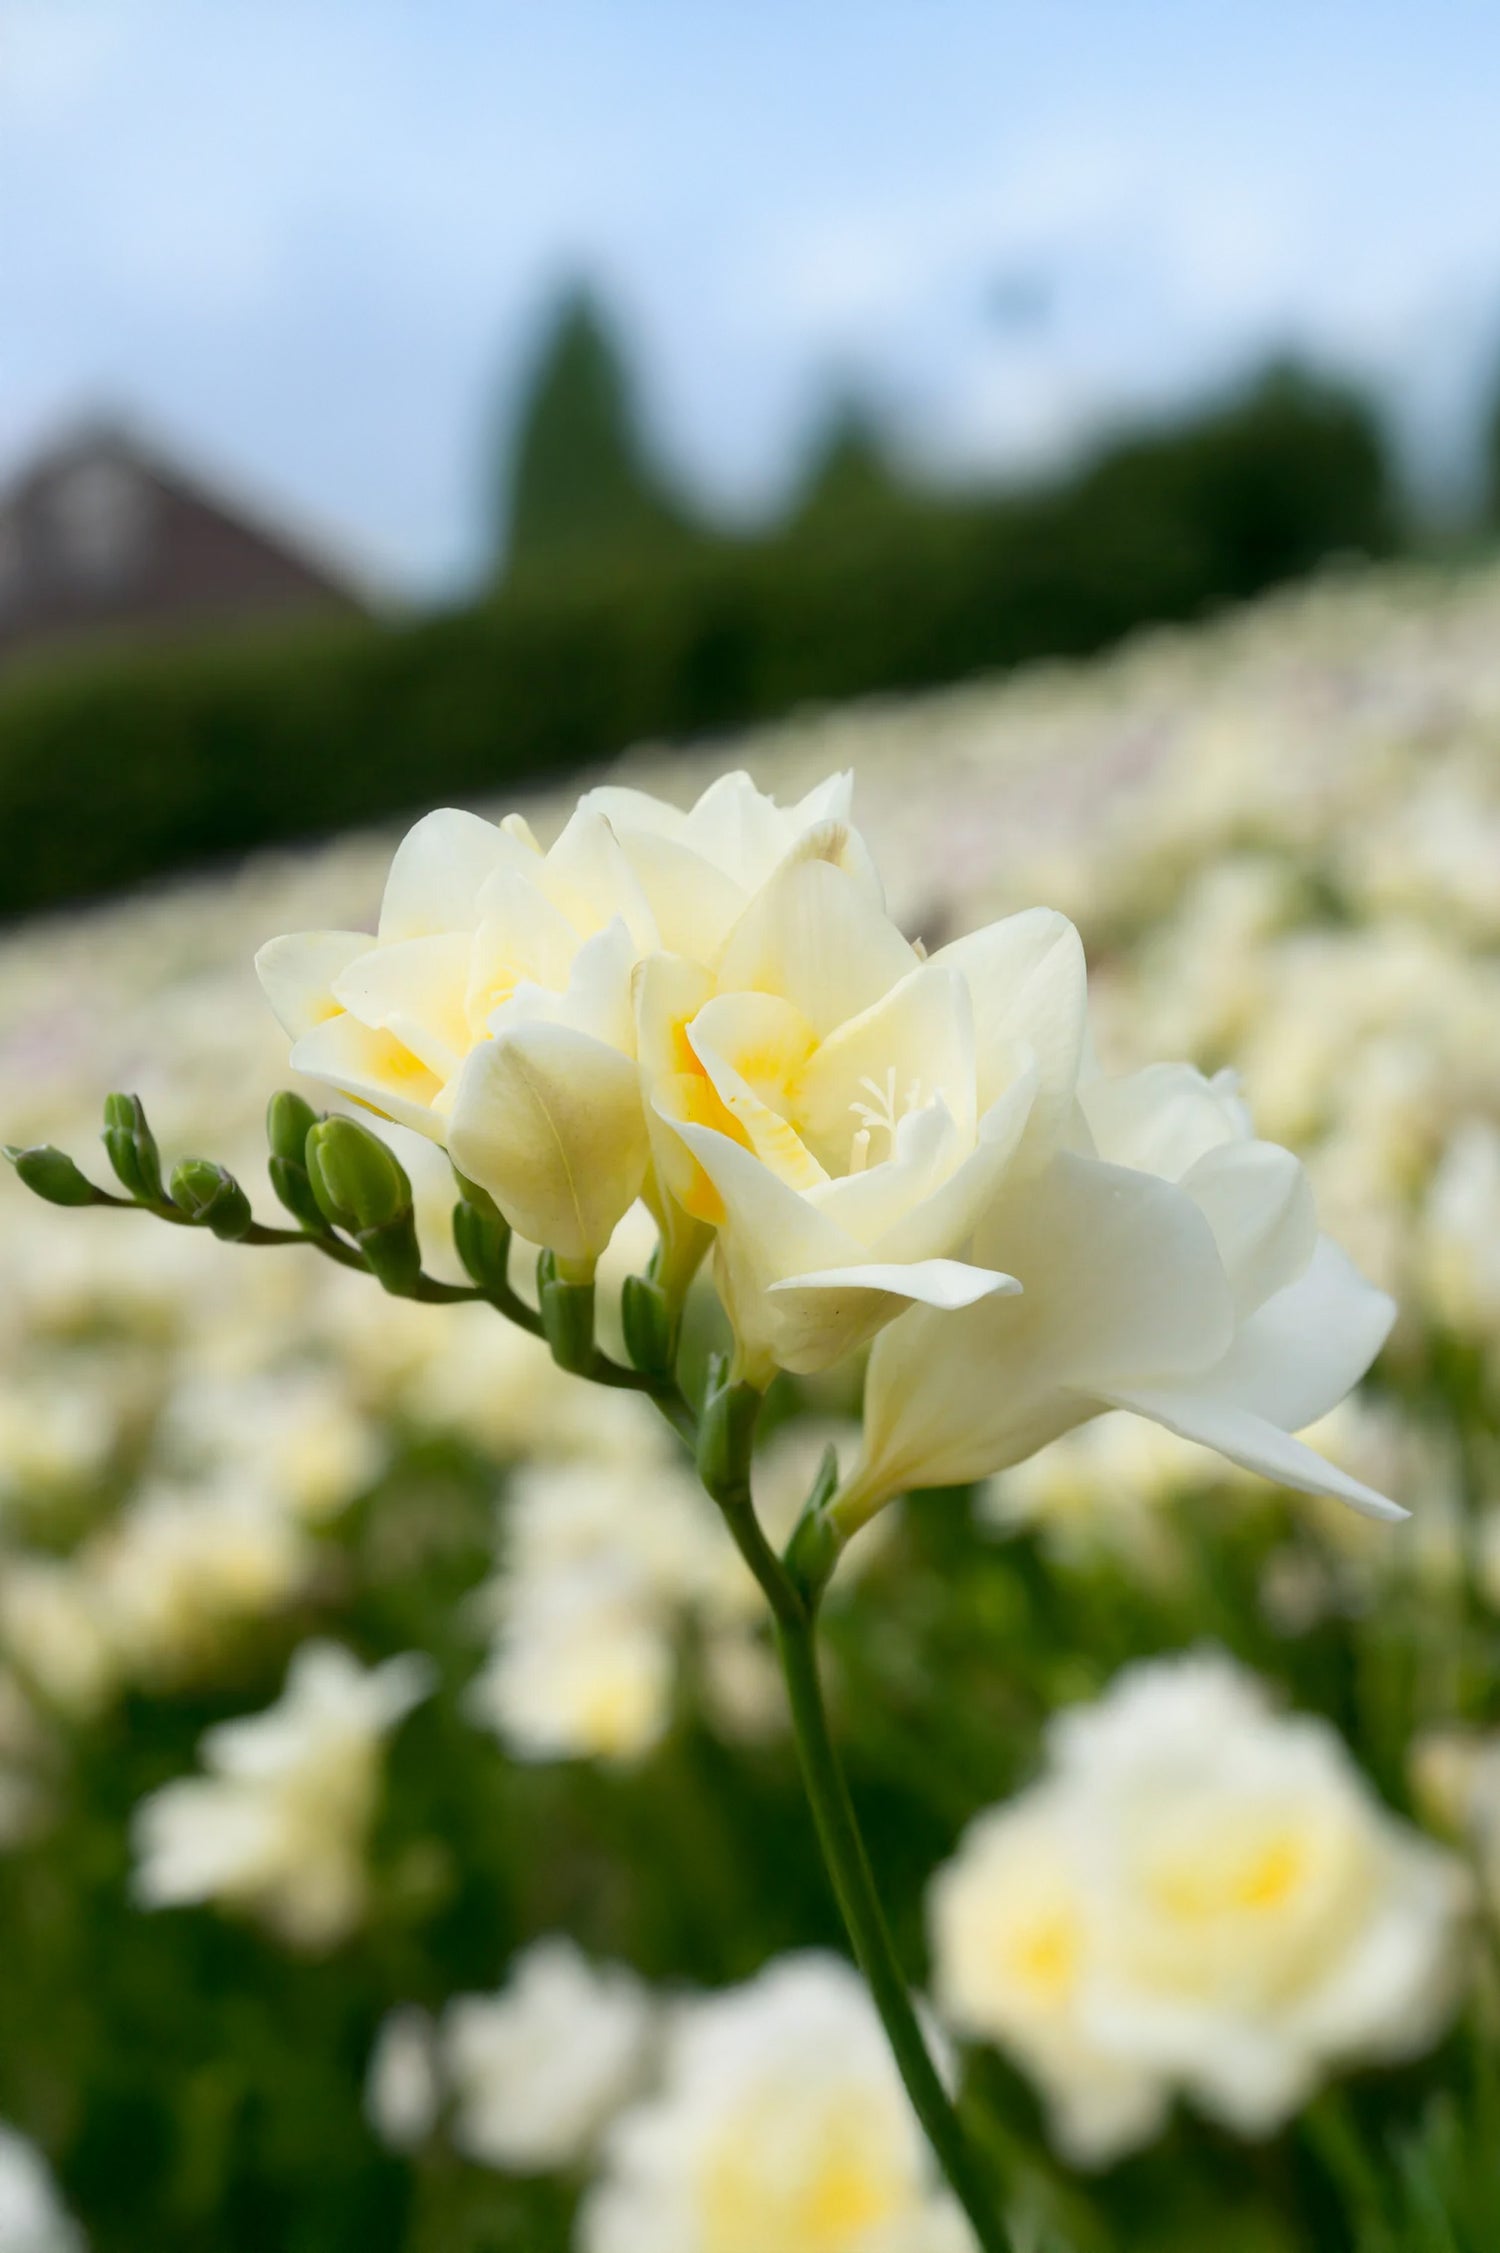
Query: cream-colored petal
(943, 1283)
(588, 876)
(1258, 1201)
(1120, 1277)
(550, 1122)
(694, 904)
(873, 1204)
(1162, 1119)
(913, 1044)
(297, 971)
(814, 937)
(597, 999)
(1307, 1346)
(1029, 984)
(374, 1068)
(437, 874)
(523, 937)
(1255, 1444)
(749, 1045)
(414, 989)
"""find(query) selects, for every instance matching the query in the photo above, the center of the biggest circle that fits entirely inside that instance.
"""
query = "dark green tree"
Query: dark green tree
(850, 482)
(581, 486)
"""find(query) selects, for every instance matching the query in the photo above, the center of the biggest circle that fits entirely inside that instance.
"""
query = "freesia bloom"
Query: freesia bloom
(844, 1109)
(781, 2122)
(1170, 1264)
(280, 1825)
(492, 1009)
(1202, 1895)
(540, 2069)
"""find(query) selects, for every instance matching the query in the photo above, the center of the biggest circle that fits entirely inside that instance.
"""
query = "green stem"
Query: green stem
(848, 1866)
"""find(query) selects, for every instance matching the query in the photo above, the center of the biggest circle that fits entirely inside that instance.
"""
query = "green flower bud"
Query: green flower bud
(132, 1150)
(211, 1197)
(362, 1188)
(818, 1541)
(567, 1316)
(650, 1323)
(726, 1436)
(359, 1183)
(52, 1174)
(481, 1235)
(289, 1122)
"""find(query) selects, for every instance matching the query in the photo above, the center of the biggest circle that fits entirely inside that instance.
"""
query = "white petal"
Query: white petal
(1161, 1119)
(436, 876)
(1299, 1354)
(1258, 1201)
(1029, 984)
(550, 1122)
(694, 905)
(813, 936)
(297, 971)
(1255, 1444)
(946, 1283)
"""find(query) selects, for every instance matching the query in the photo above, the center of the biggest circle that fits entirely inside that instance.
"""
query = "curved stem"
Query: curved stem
(848, 1867)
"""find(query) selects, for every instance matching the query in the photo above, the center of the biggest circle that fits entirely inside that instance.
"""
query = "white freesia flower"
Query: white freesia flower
(280, 1825)
(844, 1110)
(1172, 1266)
(403, 2091)
(32, 2218)
(492, 1011)
(781, 2122)
(1014, 1948)
(539, 2069)
(1204, 1896)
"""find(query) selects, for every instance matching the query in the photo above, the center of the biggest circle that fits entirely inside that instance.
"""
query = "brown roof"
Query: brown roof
(103, 537)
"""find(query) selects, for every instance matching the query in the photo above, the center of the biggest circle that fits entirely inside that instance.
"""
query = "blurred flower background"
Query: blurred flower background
(1081, 431)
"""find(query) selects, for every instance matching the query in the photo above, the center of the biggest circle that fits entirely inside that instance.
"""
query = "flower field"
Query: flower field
(401, 1844)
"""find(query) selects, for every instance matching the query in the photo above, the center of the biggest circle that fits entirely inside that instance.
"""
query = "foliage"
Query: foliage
(118, 768)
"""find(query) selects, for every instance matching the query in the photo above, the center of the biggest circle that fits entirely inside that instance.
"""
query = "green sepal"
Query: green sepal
(131, 1147)
(51, 1174)
(211, 1198)
(393, 1254)
(567, 1310)
(651, 1324)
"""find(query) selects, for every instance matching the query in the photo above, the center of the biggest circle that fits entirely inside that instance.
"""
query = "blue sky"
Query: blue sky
(310, 239)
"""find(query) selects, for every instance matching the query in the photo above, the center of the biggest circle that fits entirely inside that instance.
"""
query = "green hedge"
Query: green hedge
(126, 766)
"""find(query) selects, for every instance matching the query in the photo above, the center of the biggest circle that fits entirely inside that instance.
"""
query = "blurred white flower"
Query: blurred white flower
(181, 1567)
(1176, 1271)
(32, 2219)
(280, 1825)
(1456, 1776)
(1202, 1896)
(539, 2069)
(780, 2122)
(1461, 1247)
(403, 2090)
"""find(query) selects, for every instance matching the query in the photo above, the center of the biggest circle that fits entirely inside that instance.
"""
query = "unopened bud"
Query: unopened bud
(361, 1187)
(650, 1324)
(567, 1308)
(726, 1436)
(481, 1236)
(52, 1174)
(132, 1150)
(211, 1198)
(289, 1122)
(818, 1542)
